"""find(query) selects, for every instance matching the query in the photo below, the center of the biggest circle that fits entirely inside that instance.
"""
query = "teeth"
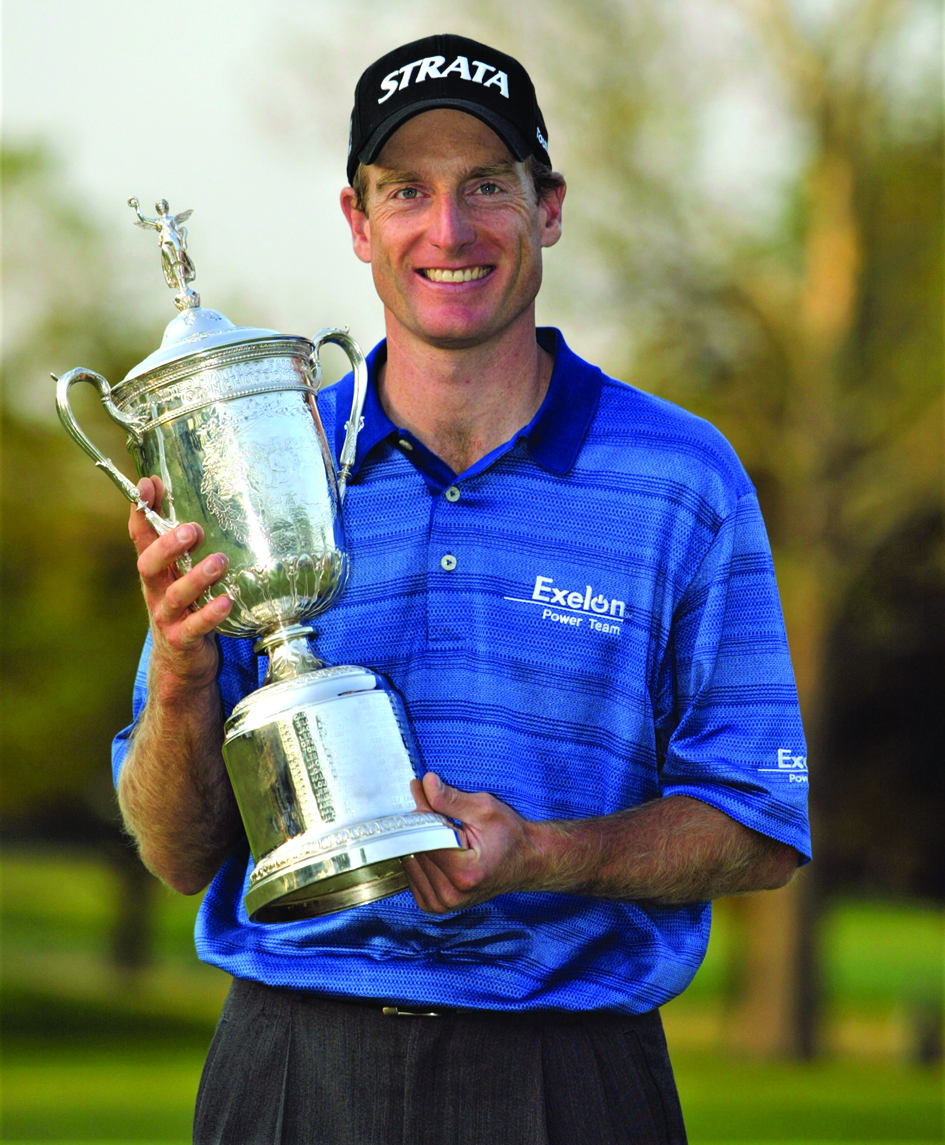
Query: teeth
(467, 274)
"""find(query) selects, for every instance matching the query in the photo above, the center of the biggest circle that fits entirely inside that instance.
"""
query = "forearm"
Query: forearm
(672, 851)
(174, 792)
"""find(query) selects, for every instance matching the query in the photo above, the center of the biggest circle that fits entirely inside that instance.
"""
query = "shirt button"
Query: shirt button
(448, 562)
(404, 444)
(452, 494)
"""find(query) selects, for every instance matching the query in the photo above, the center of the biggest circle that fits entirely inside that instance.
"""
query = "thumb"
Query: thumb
(445, 799)
(419, 795)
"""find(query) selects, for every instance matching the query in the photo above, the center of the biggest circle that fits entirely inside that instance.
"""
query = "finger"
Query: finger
(141, 532)
(417, 881)
(163, 551)
(440, 795)
(452, 874)
(196, 625)
(187, 589)
(446, 892)
(466, 806)
(158, 503)
(443, 870)
(419, 885)
(416, 788)
(151, 491)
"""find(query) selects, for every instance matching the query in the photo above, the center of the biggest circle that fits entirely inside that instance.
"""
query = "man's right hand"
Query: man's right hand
(174, 792)
(185, 649)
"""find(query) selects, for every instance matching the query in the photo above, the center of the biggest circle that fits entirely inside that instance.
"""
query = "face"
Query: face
(452, 231)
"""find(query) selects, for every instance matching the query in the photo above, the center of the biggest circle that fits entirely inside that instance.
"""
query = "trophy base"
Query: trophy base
(337, 893)
(321, 766)
(290, 885)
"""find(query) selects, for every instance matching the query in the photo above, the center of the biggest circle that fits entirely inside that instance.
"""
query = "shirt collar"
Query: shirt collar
(555, 434)
(561, 425)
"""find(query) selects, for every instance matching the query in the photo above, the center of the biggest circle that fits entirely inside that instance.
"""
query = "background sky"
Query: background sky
(177, 101)
(240, 111)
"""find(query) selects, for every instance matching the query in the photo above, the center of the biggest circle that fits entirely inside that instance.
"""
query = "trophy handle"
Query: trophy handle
(354, 423)
(131, 424)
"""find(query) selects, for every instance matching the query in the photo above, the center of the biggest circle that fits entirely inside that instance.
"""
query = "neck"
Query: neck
(463, 403)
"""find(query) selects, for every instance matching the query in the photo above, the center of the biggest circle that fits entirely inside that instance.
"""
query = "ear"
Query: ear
(359, 223)
(549, 215)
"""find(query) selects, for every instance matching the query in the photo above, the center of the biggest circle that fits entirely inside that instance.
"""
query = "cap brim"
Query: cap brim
(509, 134)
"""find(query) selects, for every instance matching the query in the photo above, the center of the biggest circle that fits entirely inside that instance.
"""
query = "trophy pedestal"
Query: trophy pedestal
(321, 767)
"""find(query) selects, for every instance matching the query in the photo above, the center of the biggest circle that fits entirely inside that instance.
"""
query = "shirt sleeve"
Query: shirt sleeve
(122, 742)
(731, 734)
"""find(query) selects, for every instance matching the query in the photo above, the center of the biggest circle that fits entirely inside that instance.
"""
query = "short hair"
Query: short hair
(544, 180)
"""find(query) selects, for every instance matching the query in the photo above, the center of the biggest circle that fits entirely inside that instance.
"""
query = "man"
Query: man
(569, 582)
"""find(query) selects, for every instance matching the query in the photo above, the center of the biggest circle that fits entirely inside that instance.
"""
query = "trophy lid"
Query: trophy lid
(195, 329)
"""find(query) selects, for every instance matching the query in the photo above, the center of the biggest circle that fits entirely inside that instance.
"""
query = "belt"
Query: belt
(389, 1009)
(424, 1012)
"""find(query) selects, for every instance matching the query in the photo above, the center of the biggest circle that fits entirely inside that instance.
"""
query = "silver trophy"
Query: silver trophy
(320, 757)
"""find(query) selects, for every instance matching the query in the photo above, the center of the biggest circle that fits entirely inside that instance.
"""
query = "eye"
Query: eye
(488, 188)
(406, 193)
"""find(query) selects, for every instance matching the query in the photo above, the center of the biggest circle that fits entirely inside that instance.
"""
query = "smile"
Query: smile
(462, 274)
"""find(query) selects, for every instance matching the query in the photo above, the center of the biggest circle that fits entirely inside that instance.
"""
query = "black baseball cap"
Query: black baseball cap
(446, 71)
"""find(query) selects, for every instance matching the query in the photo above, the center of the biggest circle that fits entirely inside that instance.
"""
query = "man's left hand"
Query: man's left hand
(500, 855)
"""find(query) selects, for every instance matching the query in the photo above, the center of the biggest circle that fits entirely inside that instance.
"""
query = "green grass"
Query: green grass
(88, 1055)
(882, 951)
(726, 1099)
(120, 1094)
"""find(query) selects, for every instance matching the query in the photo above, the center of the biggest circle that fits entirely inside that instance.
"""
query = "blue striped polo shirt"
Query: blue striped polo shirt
(608, 632)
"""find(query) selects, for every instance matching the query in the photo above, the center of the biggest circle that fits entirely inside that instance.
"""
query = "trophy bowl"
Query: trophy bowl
(320, 758)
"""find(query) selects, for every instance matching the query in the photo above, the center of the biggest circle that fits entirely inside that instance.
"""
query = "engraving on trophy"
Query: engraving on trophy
(254, 456)
(313, 765)
(229, 382)
(278, 362)
(325, 742)
(295, 755)
(295, 587)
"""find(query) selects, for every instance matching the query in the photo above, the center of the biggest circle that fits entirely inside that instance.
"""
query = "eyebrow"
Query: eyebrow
(489, 171)
(492, 169)
(390, 177)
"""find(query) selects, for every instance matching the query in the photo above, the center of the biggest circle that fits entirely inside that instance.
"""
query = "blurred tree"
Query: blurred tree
(810, 334)
(885, 790)
(73, 618)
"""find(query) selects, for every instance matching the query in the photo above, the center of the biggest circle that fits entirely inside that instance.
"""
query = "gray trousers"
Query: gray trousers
(289, 1067)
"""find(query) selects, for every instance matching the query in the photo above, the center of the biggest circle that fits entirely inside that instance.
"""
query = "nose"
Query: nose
(450, 225)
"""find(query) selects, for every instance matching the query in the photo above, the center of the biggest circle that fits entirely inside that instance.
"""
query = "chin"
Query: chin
(456, 340)
(456, 331)
(458, 335)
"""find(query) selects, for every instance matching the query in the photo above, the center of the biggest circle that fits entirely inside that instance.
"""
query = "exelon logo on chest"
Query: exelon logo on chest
(576, 608)
(546, 591)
